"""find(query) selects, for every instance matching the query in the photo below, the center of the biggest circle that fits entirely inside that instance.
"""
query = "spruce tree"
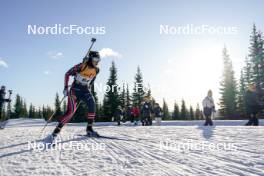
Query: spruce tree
(18, 107)
(128, 98)
(40, 115)
(44, 112)
(241, 95)
(256, 55)
(149, 91)
(165, 110)
(30, 113)
(247, 72)
(22, 113)
(24, 109)
(228, 101)
(184, 111)
(123, 97)
(34, 112)
(138, 91)
(105, 110)
(197, 114)
(149, 94)
(100, 113)
(112, 99)
(57, 106)
(176, 111)
(49, 112)
(191, 113)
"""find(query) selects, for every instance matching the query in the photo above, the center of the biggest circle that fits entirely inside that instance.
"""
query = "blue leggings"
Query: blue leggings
(78, 93)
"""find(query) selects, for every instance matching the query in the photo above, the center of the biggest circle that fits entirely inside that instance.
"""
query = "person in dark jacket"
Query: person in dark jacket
(2, 100)
(118, 115)
(252, 104)
(146, 112)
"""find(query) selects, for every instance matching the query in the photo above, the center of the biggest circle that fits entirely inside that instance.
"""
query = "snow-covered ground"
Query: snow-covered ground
(176, 148)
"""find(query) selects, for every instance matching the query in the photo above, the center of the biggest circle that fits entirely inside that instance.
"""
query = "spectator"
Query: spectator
(208, 108)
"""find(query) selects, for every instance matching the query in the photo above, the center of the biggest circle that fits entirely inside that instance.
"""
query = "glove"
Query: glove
(213, 109)
(65, 91)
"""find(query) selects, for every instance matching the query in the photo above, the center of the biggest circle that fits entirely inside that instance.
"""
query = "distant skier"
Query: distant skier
(84, 75)
(157, 112)
(208, 108)
(146, 112)
(253, 105)
(2, 100)
(118, 115)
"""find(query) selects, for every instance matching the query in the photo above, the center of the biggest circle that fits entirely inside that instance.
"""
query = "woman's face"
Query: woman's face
(95, 63)
(254, 88)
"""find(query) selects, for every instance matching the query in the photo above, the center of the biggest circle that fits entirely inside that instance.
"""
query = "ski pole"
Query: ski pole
(50, 118)
(54, 114)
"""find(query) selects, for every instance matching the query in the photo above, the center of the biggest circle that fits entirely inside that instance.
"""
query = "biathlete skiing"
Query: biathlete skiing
(84, 76)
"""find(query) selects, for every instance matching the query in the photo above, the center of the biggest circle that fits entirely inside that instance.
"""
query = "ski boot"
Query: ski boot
(90, 132)
(50, 140)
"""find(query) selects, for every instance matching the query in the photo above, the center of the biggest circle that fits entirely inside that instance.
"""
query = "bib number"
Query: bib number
(83, 80)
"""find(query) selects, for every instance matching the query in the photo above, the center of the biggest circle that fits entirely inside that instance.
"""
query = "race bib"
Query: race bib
(83, 80)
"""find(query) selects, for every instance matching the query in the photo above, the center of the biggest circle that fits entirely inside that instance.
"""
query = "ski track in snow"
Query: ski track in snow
(140, 154)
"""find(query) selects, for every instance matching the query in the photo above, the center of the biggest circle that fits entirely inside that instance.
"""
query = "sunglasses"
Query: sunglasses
(96, 59)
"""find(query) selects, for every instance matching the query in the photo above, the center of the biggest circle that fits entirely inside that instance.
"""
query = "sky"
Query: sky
(186, 65)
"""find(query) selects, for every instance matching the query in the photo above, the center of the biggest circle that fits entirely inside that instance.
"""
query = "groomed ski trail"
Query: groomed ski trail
(141, 154)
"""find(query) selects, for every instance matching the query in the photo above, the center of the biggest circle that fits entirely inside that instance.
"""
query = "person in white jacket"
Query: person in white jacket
(208, 108)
